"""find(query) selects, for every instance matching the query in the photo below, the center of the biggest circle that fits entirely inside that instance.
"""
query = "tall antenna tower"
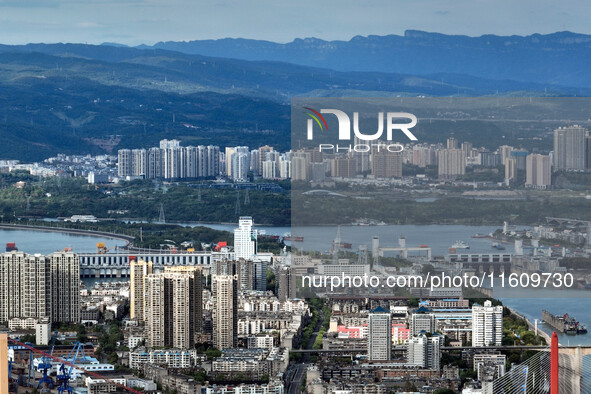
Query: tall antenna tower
(237, 210)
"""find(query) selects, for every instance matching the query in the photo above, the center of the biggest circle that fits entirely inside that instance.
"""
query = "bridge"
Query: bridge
(443, 348)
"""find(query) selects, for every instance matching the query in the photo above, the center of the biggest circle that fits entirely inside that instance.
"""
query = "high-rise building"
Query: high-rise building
(569, 148)
(423, 156)
(65, 287)
(262, 157)
(196, 275)
(467, 148)
(343, 167)
(285, 283)
(487, 325)
(510, 170)
(259, 275)
(424, 351)
(245, 239)
(520, 156)
(172, 305)
(139, 164)
(488, 159)
(225, 320)
(269, 169)
(452, 143)
(386, 164)
(170, 161)
(318, 172)
(299, 166)
(213, 160)
(538, 172)
(379, 341)
(36, 286)
(138, 270)
(284, 168)
(422, 321)
(239, 166)
(505, 152)
(451, 163)
(124, 160)
(362, 159)
(155, 167)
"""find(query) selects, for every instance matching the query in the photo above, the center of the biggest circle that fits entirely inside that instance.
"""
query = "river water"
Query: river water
(46, 242)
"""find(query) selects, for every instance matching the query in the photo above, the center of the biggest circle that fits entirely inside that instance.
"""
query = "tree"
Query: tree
(212, 353)
(444, 391)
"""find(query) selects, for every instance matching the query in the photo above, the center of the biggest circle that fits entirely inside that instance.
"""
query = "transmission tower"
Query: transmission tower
(161, 217)
(199, 195)
(246, 198)
(237, 210)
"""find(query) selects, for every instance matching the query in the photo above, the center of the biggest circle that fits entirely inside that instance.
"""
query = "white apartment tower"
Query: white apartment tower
(424, 351)
(379, 342)
(487, 325)
(245, 239)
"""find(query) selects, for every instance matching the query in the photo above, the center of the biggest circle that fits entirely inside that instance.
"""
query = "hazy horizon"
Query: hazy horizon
(135, 22)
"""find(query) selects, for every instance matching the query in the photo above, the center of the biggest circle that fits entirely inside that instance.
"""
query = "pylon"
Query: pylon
(554, 364)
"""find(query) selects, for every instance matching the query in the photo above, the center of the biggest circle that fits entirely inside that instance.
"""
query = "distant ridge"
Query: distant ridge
(560, 58)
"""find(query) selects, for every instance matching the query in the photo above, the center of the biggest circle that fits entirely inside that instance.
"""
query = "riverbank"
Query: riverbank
(126, 238)
(531, 326)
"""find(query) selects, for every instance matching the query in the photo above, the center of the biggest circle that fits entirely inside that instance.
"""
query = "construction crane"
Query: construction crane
(71, 365)
(46, 366)
(101, 248)
(64, 375)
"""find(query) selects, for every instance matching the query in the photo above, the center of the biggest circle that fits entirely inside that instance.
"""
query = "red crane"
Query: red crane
(60, 360)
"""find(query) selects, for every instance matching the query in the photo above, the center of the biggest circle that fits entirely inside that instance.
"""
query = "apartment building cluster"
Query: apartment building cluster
(173, 312)
(405, 343)
(35, 287)
(172, 161)
(572, 152)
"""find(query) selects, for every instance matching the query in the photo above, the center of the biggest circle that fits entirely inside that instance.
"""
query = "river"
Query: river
(46, 242)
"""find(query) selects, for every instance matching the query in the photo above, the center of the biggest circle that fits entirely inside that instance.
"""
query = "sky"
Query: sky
(135, 22)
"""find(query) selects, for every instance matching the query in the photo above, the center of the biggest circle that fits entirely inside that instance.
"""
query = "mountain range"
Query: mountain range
(78, 98)
(560, 58)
